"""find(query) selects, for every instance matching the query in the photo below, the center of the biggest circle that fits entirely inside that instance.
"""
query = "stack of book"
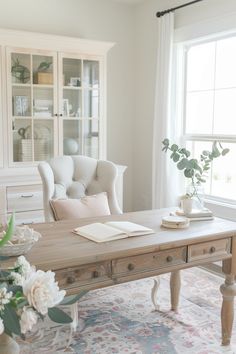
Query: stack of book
(197, 214)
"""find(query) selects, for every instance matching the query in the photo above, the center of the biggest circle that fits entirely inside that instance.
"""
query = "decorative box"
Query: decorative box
(44, 78)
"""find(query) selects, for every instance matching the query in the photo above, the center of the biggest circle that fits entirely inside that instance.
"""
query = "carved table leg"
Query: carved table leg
(175, 284)
(74, 316)
(154, 293)
(228, 290)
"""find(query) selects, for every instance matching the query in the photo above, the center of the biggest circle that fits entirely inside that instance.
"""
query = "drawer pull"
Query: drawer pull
(95, 274)
(169, 259)
(212, 249)
(26, 195)
(70, 280)
(131, 266)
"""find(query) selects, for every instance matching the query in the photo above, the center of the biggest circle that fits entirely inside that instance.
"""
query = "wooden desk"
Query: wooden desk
(83, 264)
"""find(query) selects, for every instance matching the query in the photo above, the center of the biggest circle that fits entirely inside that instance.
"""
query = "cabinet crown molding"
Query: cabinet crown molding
(58, 42)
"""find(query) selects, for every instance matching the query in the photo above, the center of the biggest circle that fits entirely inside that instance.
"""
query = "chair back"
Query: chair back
(75, 177)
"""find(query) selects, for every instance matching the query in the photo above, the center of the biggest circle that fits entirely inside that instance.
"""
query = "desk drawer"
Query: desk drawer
(24, 198)
(79, 276)
(208, 250)
(149, 261)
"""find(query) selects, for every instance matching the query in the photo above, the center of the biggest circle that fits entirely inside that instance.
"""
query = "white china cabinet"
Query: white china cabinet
(53, 102)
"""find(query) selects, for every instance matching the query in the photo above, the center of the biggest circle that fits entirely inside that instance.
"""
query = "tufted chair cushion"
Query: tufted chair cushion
(77, 176)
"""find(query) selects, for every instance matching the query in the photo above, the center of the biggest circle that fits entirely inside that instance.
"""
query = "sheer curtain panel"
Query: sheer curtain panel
(165, 178)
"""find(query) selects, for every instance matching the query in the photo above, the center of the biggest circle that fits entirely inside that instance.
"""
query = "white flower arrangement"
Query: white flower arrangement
(27, 295)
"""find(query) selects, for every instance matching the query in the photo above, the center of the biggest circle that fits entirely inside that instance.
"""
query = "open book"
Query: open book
(112, 230)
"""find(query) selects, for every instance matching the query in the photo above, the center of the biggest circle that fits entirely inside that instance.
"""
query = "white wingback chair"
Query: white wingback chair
(75, 177)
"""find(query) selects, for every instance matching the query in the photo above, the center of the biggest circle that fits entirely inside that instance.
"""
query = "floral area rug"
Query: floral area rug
(121, 319)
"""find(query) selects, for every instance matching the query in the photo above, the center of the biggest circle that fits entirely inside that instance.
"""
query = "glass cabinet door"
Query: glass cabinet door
(33, 100)
(79, 100)
(2, 140)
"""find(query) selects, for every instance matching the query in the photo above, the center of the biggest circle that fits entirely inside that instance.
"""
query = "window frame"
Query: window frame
(182, 64)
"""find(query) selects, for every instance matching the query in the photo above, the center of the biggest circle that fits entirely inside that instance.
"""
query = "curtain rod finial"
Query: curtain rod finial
(162, 13)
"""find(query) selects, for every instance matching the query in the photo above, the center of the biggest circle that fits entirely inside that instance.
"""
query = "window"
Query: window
(210, 109)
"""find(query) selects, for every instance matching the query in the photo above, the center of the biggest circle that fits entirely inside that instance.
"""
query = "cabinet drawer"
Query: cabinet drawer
(149, 261)
(79, 276)
(29, 217)
(207, 250)
(22, 198)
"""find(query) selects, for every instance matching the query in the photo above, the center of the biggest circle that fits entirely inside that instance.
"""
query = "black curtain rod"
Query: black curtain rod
(162, 13)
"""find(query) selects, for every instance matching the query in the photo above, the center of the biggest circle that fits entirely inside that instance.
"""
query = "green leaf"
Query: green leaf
(9, 232)
(44, 66)
(184, 152)
(69, 300)
(16, 289)
(176, 157)
(182, 164)
(206, 152)
(189, 173)
(215, 154)
(11, 320)
(166, 142)
(201, 180)
(4, 274)
(174, 147)
(197, 167)
(187, 153)
(224, 152)
(58, 316)
(22, 303)
(3, 284)
(215, 151)
(191, 163)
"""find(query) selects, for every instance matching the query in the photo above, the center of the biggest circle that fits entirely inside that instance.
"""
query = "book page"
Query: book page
(100, 232)
(130, 228)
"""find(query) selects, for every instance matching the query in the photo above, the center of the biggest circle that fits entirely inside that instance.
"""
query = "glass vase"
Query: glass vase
(197, 193)
(8, 345)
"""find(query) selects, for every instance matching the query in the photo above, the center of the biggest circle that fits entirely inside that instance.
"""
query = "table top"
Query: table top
(60, 248)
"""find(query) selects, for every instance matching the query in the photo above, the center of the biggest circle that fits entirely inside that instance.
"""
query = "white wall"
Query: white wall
(92, 19)
(131, 66)
(146, 28)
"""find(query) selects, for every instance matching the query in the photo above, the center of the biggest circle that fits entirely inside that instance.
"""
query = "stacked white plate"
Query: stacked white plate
(175, 222)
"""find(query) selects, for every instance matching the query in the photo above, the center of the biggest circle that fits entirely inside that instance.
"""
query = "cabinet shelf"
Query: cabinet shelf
(20, 85)
(43, 86)
(72, 88)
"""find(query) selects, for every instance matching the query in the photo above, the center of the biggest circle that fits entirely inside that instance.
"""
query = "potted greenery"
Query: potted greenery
(27, 295)
(195, 170)
(19, 72)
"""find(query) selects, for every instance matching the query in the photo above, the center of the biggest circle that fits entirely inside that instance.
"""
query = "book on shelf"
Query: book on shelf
(112, 230)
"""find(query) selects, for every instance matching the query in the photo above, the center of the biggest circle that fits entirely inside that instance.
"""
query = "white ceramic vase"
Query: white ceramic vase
(8, 345)
(186, 205)
(198, 195)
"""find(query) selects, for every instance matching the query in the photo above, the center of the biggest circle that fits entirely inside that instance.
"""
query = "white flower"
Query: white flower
(4, 297)
(17, 278)
(28, 319)
(24, 267)
(1, 326)
(42, 291)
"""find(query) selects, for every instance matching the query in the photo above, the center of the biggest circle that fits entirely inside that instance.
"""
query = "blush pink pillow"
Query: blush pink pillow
(85, 207)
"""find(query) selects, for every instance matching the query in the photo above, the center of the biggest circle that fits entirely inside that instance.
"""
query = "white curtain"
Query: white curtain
(165, 190)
